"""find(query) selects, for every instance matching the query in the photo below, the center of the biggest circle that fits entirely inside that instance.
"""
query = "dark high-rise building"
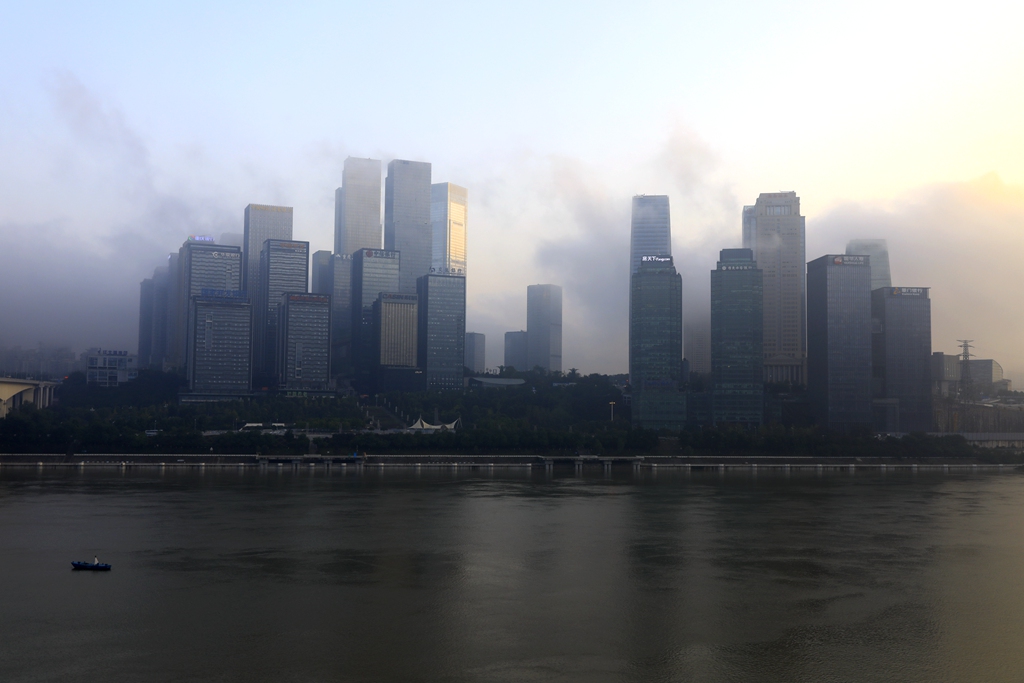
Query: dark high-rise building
(357, 207)
(262, 223)
(774, 229)
(407, 227)
(737, 372)
(203, 265)
(341, 314)
(220, 344)
(284, 267)
(902, 349)
(656, 344)
(395, 343)
(839, 341)
(515, 350)
(650, 229)
(544, 327)
(147, 304)
(476, 359)
(442, 330)
(304, 342)
(322, 282)
(373, 271)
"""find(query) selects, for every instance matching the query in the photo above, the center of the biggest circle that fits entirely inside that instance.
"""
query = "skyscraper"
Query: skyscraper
(902, 350)
(544, 327)
(262, 223)
(284, 267)
(442, 330)
(202, 265)
(407, 227)
(774, 229)
(357, 207)
(373, 271)
(303, 345)
(220, 344)
(656, 344)
(650, 229)
(322, 282)
(341, 314)
(879, 253)
(448, 214)
(839, 341)
(396, 343)
(515, 350)
(147, 303)
(737, 372)
(475, 352)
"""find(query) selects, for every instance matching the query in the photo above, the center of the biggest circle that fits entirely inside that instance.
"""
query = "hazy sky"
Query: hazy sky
(125, 127)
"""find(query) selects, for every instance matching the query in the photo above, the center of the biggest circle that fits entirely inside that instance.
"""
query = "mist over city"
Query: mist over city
(575, 342)
(116, 151)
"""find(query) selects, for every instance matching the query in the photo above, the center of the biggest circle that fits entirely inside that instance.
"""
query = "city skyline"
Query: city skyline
(108, 171)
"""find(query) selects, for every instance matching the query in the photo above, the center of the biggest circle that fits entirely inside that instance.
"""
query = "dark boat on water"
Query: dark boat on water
(91, 566)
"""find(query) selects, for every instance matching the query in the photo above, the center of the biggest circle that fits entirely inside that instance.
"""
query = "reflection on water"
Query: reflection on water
(433, 575)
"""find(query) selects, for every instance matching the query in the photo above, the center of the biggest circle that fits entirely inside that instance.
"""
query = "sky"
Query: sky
(125, 127)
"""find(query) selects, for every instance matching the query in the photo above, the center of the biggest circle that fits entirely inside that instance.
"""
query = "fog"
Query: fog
(94, 204)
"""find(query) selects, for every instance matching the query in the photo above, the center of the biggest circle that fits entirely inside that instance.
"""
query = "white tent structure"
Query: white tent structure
(421, 426)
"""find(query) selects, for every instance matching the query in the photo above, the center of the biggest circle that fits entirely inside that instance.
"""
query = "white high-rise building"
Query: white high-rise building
(774, 229)
(357, 207)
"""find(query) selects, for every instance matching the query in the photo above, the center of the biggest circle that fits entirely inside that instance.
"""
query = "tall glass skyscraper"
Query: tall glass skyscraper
(321, 282)
(442, 330)
(656, 344)
(373, 271)
(407, 227)
(202, 265)
(357, 207)
(878, 250)
(544, 327)
(774, 230)
(262, 223)
(902, 351)
(284, 267)
(476, 357)
(650, 229)
(448, 213)
(839, 341)
(737, 372)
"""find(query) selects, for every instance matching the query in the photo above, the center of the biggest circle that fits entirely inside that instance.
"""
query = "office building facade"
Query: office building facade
(839, 341)
(878, 250)
(109, 368)
(650, 232)
(901, 358)
(373, 271)
(321, 281)
(357, 222)
(775, 231)
(476, 358)
(304, 342)
(544, 327)
(737, 372)
(407, 227)
(220, 344)
(262, 222)
(203, 265)
(656, 344)
(442, 330)
(448, 218)
(515, 350)
(284, 267)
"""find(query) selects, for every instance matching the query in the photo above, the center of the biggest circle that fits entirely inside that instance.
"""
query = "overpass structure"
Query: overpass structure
(14, 392)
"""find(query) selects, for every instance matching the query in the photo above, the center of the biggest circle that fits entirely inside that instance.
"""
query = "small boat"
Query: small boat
(91, 566)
